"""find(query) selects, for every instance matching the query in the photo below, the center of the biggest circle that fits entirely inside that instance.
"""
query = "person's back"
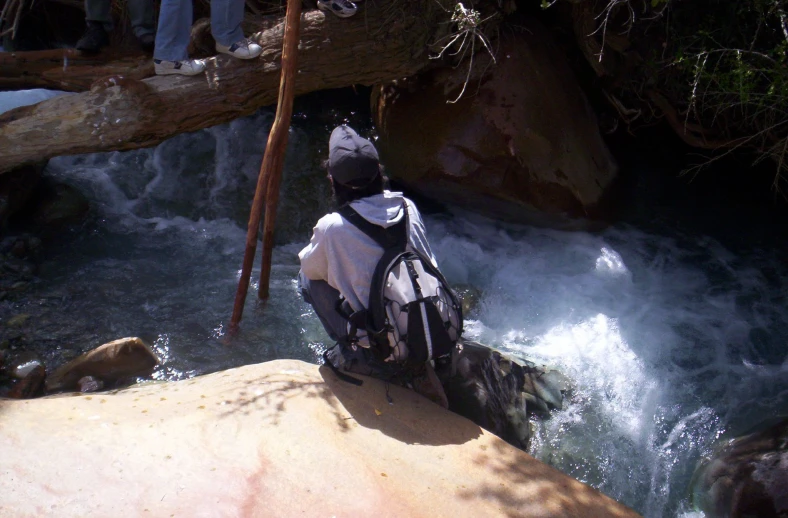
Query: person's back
(345, 257)
(339, 265)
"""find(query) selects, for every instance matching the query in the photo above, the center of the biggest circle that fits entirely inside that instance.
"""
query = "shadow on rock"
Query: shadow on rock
(398, 412)
(562, 496)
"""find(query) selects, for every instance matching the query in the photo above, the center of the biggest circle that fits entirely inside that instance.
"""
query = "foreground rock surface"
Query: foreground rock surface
(284, 438)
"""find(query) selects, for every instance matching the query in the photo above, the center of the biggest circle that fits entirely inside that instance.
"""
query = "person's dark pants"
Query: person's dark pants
(324, 300)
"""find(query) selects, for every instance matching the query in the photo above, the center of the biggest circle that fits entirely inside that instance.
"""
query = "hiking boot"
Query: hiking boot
(188, 67)
(147, 42)
(94, 39)
(341, 8)
(244, 49)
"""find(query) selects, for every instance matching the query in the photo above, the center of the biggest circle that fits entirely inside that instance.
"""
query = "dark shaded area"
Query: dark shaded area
(726, 197)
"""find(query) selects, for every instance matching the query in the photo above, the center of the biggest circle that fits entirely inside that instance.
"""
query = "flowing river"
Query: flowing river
(673, 335)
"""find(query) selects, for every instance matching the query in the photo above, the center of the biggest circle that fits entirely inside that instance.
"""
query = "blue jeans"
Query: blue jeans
(323, 299)
(141, 14)
(175, 23)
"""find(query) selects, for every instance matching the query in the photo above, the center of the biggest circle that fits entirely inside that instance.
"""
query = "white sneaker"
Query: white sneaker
(188, 67)
(341, 8)
(244, 49)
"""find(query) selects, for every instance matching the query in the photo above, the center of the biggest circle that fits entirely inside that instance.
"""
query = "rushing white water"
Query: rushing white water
(670, 339)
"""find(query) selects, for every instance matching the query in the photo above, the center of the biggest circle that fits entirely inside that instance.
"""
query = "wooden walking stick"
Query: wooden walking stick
(271, 169)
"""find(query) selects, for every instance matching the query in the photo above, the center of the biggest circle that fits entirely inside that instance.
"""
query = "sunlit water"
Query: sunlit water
(670, 338)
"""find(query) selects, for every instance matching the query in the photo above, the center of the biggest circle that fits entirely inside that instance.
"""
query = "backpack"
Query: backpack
(413, 316)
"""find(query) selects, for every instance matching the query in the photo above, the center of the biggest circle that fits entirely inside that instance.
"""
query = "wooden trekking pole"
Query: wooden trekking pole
(269, 179)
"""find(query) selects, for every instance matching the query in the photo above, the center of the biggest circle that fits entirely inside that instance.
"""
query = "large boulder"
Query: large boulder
(283, 438)
(521, 144)
(746, 476)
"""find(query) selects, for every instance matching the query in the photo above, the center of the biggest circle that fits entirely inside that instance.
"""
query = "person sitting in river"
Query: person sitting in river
(172, 38)
(371, 277)
(338, 270)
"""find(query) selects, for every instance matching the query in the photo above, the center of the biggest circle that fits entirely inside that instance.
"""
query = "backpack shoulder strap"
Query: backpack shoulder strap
(395, 236)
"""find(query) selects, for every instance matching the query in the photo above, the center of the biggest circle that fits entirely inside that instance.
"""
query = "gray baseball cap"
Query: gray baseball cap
(352, 161)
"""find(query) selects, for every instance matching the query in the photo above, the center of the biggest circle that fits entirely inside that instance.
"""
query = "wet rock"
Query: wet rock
(32, 385)
(19, 364)
(110, 363)
(521, 144)
(17, 320)
(57, 205)
(746, 476)
(498, 392)
(90, 384)
(21, 371)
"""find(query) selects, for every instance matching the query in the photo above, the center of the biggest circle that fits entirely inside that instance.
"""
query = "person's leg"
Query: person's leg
(99, 11)
(172, 36)
(323, 299)
(98, 21)
(226, 18)
(143, 18)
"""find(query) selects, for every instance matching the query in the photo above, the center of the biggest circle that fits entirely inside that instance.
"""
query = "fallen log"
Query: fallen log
(385, 41)
(68, 69)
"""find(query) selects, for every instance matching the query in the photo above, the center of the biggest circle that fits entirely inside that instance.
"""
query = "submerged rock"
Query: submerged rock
(56, 205)
(746, 476)
(282, 438)
(521, 144)
(110, 363)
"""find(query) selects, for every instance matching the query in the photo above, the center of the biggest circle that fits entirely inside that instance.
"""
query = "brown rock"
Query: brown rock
(746, 476)
(283, 438)
(30, 386)
(522, 143)
(111, 362)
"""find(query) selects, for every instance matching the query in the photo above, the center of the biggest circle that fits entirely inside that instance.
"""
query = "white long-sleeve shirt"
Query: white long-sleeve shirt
(343, 256)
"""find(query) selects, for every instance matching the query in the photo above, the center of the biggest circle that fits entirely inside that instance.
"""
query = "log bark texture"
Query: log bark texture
(68, 69)
(384, 41)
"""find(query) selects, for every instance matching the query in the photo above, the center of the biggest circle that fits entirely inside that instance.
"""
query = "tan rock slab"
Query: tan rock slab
(283, 438)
